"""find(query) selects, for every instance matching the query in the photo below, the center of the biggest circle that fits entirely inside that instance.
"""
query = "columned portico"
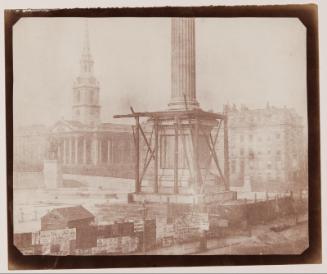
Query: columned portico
(83, 143)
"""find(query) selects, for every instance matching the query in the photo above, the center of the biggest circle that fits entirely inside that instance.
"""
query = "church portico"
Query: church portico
(85, 145)
(103, 150)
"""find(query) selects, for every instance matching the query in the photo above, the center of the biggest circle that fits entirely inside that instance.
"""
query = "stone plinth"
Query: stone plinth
(52, 174)
(188, 166)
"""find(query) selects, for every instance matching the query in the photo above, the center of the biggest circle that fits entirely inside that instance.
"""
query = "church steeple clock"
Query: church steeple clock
(86, 107)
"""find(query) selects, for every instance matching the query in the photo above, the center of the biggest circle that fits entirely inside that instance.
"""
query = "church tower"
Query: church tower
(86, 108)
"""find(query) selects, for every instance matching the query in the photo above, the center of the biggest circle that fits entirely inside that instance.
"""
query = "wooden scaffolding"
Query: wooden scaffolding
(194, 119)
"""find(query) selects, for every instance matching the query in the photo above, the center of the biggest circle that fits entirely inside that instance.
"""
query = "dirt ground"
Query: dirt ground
(293, 240)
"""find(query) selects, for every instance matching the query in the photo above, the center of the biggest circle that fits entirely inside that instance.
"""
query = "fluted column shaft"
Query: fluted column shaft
(183, 89)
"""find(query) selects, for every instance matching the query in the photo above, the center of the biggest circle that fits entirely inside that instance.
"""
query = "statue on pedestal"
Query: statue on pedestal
(52, 149)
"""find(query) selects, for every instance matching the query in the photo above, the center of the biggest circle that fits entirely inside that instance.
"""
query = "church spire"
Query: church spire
(86, 107)
(86, 60)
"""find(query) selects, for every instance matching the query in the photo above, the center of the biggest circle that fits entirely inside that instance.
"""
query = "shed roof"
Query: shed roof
(72, 213)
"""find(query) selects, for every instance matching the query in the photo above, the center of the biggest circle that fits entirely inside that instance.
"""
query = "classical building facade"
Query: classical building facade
(84, 144)
(29, 145)
(267, 148)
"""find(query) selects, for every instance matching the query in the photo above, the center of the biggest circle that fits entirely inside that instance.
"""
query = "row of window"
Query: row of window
(251, 153)
(267, 176)
(267, 166)
(250, 137)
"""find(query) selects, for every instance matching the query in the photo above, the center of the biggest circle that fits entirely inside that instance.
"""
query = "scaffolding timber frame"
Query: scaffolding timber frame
(195, 116)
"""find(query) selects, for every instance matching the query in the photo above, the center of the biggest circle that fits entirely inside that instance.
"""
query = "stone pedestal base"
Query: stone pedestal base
(52, 174)
(207, 198)
(186, 185)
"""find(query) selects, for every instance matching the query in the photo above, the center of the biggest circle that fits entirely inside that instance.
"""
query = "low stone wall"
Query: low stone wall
(28, 179)
(117, 185)
(123, 170)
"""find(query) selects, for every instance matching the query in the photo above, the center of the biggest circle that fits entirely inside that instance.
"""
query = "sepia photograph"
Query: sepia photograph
(170, 135)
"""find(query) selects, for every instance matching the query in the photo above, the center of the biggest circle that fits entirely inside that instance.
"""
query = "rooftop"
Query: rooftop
(72, 213)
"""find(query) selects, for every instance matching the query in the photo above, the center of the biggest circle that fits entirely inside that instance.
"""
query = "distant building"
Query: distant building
(29, 145)
(267, 149)
(67, 217)
(83, 145)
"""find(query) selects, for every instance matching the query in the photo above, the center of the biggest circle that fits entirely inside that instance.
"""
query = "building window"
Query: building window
(268, 151)
(241, 138)
(91, 97)
(269, 165)
(250, 137)
(278, 155)
(77, 96)
(233, 166)
(251, 154)
(277, 136)
(241, 151)
(242, 168)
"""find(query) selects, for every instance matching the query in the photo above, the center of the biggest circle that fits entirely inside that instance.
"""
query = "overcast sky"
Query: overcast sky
(238, 60)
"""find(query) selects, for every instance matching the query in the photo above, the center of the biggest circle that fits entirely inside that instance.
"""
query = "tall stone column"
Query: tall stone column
(94, 150)
(76, 150)
(84, 150)
(100, 151)
(109, 151)
(59, 151)
(65, 151)
(183, 93)
(69, 141)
